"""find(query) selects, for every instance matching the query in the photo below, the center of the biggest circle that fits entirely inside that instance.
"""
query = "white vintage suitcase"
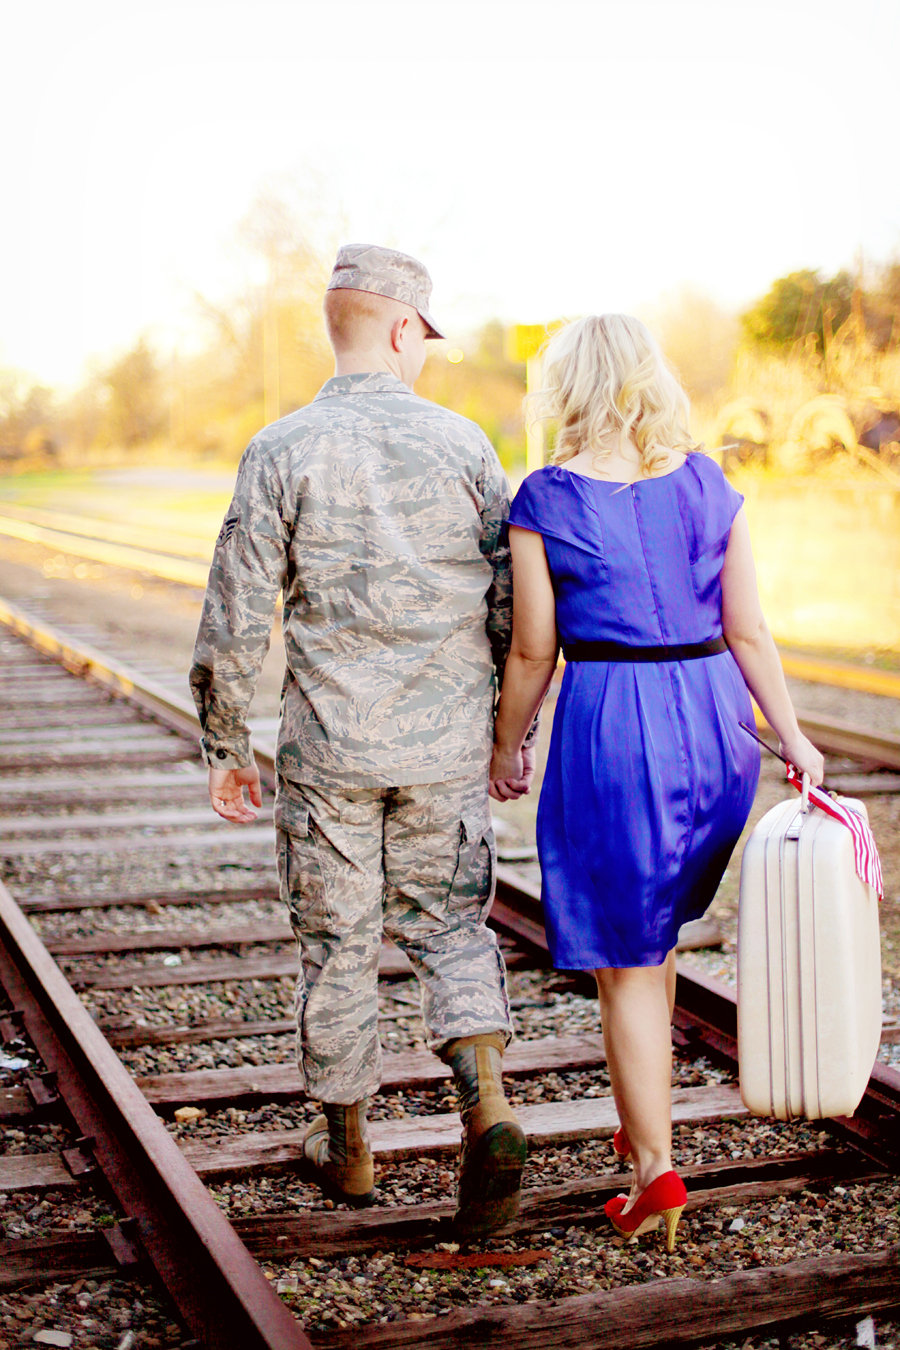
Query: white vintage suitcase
(809, 967)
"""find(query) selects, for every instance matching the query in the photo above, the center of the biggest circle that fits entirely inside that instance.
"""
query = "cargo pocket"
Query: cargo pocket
(472, 887)
(291, 815)
(300, 879)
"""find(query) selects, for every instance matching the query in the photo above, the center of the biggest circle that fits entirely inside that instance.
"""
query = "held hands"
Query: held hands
(805, 757)
(226, 792)
(511, 773)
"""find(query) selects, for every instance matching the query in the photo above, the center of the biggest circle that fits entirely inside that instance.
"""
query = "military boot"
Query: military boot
(493, 1141)
(337, 1145)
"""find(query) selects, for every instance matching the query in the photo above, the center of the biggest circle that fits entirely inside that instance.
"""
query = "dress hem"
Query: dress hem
(601, 964)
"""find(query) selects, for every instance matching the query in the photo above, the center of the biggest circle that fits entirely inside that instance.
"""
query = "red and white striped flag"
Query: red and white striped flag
(865, 854)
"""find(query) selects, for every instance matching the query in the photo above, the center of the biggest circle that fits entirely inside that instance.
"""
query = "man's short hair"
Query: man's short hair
(352, 317)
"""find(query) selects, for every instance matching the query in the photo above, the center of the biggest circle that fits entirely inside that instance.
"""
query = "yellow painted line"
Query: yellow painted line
(836, 737)
(841, 676)
(182, 570)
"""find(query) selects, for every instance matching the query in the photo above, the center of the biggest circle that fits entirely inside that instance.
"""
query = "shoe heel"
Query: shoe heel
(621, 1146)
(671, 1217)
(645, 1226)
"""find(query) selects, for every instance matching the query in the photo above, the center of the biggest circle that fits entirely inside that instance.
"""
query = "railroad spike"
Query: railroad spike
(80, 1158)
(42, 1089)
(12, 1027)
(124, 1241)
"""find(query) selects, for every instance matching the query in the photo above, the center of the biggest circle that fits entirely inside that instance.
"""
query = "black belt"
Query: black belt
(620, 651)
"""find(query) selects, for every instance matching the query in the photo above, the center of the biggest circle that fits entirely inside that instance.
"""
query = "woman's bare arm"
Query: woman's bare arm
(748, 637)
(531, 662)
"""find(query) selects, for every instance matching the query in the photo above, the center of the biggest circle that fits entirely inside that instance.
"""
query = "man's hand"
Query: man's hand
(226, 792)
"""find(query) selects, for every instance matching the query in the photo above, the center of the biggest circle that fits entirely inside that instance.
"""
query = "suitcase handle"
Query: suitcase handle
(796, 825)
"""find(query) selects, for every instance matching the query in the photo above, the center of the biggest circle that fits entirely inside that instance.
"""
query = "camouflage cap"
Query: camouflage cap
(384, 271)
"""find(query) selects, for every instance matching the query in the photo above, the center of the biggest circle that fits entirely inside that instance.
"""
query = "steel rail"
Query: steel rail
(831, 735)
(180, 570)
(518, 903)
(186, 562)
(834, 736)
(216, 1285)
(218, 1288)
(705, 1021)
(168, 542)
(88, 663)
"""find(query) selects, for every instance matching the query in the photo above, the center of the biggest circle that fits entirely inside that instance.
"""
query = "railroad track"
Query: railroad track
(147, 970)
(183, 560)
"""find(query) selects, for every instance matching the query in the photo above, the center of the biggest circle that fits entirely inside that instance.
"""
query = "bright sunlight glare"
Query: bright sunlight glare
(541, 161)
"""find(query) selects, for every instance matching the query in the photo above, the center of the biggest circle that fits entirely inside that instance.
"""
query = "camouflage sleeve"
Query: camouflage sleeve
(248, 571)
(495, 547)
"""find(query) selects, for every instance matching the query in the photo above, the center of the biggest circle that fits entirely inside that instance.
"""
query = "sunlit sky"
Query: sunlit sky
(542, 158)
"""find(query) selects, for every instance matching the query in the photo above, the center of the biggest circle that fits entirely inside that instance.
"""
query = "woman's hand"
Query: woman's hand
(511, 773)
(805, 757)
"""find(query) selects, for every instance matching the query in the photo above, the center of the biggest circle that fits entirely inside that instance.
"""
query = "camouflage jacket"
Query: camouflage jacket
(382, 519)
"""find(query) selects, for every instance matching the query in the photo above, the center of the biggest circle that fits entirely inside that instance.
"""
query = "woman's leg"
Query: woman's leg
(671, 975)
(634, 1007)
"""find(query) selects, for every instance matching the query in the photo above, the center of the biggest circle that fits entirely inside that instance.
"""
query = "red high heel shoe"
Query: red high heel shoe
(621, 1146)
(663, 1199)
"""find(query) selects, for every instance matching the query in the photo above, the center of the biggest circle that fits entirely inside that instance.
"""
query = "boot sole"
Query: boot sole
(493, 1174)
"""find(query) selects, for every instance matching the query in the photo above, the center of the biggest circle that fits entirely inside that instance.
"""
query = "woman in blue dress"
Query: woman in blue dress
(632, 550)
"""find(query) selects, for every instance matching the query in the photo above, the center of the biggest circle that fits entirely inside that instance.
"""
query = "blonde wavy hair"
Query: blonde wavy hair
(605, 377)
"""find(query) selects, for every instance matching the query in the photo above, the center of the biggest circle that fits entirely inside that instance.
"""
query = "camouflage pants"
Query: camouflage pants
(415, 863)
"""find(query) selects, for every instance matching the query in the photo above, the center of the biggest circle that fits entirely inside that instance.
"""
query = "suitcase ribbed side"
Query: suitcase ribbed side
(809, 962)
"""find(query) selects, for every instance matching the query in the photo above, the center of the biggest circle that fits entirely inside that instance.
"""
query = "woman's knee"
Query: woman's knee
(615, 979)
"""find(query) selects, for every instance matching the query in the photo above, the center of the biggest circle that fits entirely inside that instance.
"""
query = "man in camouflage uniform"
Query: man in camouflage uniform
(381, 517)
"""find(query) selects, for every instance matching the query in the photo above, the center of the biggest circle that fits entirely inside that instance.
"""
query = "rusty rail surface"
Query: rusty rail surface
(184, 560)
(218, 1288)
(705, 1023)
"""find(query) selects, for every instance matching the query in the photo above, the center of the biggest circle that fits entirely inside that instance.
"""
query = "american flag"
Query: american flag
(865, 854)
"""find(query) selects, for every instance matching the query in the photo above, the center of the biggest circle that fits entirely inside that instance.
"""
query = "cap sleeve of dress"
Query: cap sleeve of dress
(719, 504)
(529, 507)
(553, 503)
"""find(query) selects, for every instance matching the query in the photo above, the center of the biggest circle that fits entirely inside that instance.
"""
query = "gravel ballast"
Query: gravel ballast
(330, 1293)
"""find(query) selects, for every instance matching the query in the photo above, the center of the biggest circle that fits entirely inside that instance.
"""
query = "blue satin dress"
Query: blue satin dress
(650, 778)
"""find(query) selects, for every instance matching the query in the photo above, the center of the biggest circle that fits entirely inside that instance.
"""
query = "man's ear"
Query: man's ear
(398, 333)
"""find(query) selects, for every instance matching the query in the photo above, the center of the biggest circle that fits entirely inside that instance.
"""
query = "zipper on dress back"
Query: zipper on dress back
(650, 585)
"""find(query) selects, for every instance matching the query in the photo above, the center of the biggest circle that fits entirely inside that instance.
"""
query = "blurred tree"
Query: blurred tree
(798, 306)
(84, 416)
(136, 412)
(491, 349)
(268, 353)
(881, 307)
(485, 385)
(28, 418)
(699, 338)
(287, 313)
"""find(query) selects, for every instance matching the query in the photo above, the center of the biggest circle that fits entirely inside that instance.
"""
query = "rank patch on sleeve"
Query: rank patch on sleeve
(228, 528)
